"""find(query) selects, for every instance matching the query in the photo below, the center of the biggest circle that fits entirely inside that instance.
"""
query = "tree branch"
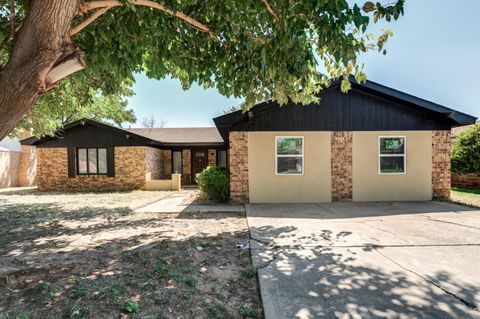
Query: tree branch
(88, 20)
(152, 4)
(67, 66)
(270, 10)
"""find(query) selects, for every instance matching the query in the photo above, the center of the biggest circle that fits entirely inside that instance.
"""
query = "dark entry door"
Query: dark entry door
(199, 162)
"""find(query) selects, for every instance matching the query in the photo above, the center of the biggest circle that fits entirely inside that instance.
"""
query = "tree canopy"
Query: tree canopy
(74, 99)
(253, 49)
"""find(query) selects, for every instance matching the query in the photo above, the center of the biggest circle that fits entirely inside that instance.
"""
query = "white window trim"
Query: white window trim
(289, 155)
(393, 155)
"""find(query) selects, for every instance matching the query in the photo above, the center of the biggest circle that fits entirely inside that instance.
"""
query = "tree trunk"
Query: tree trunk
(42, 48)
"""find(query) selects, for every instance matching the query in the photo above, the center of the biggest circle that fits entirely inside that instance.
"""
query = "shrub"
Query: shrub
(466, 151)
(214, 183)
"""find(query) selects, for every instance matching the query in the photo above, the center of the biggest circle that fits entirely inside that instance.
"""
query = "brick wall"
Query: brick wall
(167, 163)
(441, 172)
(212, 157)
(52, 171)
(187, 167)
(238, 166)
(341, 165)
(153, 163)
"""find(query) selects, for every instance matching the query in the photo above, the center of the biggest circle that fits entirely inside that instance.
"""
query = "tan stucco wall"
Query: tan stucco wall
(314, 186)
(369, 185)
(9, 162)
(27, 167)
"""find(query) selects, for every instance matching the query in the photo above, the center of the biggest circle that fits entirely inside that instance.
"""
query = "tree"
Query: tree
(466, 151)
(75, 99)
(232, 109)
(256, 49)
(151, 122)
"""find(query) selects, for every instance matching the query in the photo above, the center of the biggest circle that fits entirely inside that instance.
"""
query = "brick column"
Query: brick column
(212, 157)
(187, 167)
(341, 165)
(441, 172)
(238, 166)
(166, 163)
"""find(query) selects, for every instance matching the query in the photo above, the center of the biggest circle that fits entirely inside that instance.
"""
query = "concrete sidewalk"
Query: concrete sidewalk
(368, 260)
(183, 201)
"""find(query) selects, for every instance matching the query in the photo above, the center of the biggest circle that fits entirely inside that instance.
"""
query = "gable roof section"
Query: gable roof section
(60, 134)
(371, 94)
(459, 117)
(156, 137)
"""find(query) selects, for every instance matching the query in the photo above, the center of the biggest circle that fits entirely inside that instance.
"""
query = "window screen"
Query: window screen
(392, 155)
(102, 161)
(82, 161)
(289, 155)
(92, 161)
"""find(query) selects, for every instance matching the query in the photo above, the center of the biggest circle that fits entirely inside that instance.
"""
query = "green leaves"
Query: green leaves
(288, 56)
(466, 151)
(369, 7)
(130, 307)
(77, 98)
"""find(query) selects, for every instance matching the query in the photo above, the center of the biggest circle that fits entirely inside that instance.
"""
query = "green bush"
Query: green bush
(214, 183)
(130, 307)
(466, 151)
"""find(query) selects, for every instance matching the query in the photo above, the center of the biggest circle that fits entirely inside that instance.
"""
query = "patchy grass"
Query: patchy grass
(466, 196)
(92, 256)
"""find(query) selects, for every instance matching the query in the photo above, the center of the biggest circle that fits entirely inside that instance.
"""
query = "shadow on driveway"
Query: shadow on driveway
(377, 260)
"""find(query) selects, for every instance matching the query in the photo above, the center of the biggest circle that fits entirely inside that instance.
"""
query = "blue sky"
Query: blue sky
(434, 54)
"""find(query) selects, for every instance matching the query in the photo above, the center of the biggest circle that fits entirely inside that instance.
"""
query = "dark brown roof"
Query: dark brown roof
(181, 135)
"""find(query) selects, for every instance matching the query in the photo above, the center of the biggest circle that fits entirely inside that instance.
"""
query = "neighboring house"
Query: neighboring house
(372, 144)
(17, 164)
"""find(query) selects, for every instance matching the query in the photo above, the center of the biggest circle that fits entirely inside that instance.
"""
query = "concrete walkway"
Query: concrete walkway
(370, 260)
(183, 201)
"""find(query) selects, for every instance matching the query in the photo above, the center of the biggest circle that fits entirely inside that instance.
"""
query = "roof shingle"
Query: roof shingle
(181, 135)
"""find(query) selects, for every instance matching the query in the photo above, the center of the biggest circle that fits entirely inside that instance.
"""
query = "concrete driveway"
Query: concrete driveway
(367, 260)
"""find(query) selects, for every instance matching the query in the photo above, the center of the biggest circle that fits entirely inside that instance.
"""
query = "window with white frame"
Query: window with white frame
(289, 155)
(392, 155)
(91, 161)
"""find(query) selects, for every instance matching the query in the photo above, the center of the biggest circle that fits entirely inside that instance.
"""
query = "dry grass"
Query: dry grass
(469, 197)
(92, 256)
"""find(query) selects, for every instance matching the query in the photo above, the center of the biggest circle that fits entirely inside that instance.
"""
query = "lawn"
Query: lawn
(466, 196)
(92, 256)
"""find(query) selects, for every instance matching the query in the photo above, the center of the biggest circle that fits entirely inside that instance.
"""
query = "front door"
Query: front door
(199, 162)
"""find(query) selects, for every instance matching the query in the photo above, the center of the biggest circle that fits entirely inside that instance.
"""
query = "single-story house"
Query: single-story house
(372, 144)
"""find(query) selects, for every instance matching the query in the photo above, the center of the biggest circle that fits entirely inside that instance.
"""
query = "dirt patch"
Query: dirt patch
(92, 256)
(470, 197)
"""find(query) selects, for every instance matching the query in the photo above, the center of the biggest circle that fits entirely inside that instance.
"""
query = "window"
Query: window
(392, 155)
(289, 155)
(92, 161)
(222, 158)
(177, 162)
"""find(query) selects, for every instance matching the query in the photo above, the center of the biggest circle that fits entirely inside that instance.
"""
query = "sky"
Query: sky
(434, 54)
